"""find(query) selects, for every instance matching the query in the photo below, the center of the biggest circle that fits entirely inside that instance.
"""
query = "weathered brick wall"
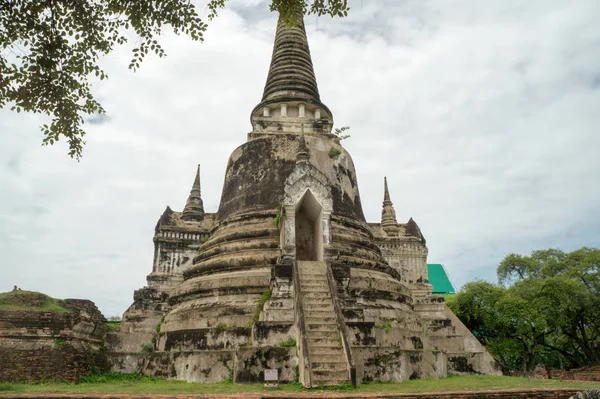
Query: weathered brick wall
(65, 363)
(54, 322)
(38, 346)
(591, 373)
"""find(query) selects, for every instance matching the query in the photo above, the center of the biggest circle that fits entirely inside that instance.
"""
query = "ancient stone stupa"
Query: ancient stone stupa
(287, 274)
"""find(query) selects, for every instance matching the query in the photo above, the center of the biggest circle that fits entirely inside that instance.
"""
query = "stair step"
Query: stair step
(314, 281)
(321, 327)
(330, 374)
(317, 382)
(326, 350)
(310, 319)
(312, 295)
(311, 276)
(333, 335)
(320, 312)
(329, 366)
(314, 342)
(314, 289)
(318, 300)
(321, 358)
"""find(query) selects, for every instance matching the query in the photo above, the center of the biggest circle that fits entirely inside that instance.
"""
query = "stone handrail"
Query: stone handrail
(304, 368)
(341, 324)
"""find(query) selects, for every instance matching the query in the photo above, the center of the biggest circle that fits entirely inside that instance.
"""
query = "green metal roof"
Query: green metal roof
(439, 279)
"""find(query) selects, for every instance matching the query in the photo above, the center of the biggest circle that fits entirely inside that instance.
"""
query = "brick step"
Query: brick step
(305, 289)
(321, 327)
(318, 271)
(329, 375)
(326, 382)
(326, 350)
(309, 319)
(323, 358)
(313, 287)
(318, 306)
(329, 366)
(320, 300)
(320, 312)
(314, 342)
(333, 335)
(314, 281)
(313, 295)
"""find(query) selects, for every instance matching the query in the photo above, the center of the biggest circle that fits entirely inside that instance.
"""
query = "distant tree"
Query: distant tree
(50, 48)
(546, 309)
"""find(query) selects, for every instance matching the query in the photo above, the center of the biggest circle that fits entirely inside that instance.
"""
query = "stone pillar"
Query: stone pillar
(288, 235)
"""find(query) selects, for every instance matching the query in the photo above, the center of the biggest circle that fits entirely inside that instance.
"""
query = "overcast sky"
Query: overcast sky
(484, 115)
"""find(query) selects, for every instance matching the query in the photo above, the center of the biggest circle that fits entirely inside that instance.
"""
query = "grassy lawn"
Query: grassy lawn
(141, 385)
(31, 301)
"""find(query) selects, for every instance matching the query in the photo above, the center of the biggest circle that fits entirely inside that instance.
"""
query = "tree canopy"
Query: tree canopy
(544, 309)
(49, 49)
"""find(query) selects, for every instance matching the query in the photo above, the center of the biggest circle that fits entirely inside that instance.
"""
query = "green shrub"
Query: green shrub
(334, 153)
(387, 327)
(112, 326)
(259, 307)
(221, 326)
(289, 343)
(58, 343)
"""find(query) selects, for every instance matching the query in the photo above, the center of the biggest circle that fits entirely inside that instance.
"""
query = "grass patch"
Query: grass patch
(115, 383)
(288, 343)
(259, 307)
(32, 301)
(387, 327)
(112, 326)
(58, 343)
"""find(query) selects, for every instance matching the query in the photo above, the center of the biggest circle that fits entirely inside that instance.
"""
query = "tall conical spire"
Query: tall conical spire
(291, 80)
(388, 214)
(194, 208)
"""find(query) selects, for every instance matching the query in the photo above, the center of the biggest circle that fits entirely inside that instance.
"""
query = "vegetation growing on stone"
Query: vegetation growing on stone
(20, 300)
(277, 219)
(334, 153)
(259, 307)
(58, 343)
(288, 343)
(112, 326)
(387, 327)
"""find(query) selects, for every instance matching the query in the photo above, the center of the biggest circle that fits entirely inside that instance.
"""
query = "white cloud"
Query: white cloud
(483, 115)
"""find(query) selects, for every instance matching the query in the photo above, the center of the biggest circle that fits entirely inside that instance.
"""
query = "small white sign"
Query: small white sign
(271, 375)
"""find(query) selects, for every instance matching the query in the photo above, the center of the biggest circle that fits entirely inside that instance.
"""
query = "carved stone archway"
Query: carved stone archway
(307, 196)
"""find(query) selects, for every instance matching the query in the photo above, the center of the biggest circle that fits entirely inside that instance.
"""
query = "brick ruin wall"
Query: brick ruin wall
(43, 346)
(591, 373)
(65, 364)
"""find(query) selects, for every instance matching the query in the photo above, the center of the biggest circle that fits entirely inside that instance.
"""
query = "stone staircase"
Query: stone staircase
(329, 365)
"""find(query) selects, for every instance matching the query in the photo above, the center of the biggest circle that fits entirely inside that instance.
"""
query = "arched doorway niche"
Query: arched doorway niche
(308, 229)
